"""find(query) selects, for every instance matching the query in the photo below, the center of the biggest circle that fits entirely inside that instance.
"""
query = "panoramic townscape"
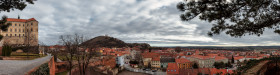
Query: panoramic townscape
(140, 37)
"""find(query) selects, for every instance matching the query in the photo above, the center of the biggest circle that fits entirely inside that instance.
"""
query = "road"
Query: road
(127, 67)
(20, 67)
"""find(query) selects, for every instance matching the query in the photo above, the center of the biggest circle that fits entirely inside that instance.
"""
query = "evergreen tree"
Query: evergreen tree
(236, 18)
(232, 60)
(195, 65)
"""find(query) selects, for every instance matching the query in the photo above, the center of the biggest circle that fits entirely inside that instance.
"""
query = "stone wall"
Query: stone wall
(52, 66)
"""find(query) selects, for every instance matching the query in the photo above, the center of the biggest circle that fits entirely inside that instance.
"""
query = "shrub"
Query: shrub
(42, 70)
(6, 50)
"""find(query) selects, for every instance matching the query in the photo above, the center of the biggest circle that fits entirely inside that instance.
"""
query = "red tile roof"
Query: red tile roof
(182, 60)
(156, 59)
(172, 68)
(150, 55)
(219, 58)
(221, 71)
(238, 57)
(20, 20)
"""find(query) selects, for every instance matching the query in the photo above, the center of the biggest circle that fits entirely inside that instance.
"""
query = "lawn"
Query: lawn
(62, 73)
(24, 56)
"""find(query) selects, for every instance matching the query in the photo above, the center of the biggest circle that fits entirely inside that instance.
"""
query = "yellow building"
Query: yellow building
(155, 62)
(183, 63)
(147, 57)
(21, 32)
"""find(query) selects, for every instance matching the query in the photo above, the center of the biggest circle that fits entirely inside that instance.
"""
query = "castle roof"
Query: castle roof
(20, 20)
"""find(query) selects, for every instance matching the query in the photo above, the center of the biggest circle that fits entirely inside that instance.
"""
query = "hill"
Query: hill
(105, 41)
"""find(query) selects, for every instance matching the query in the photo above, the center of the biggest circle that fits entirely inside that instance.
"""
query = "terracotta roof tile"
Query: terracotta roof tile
(182, 60)
(20, 20)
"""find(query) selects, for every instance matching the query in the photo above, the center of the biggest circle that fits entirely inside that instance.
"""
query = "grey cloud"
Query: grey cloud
(149, 21)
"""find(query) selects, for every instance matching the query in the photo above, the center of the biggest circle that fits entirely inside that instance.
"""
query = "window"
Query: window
(168, 70)
(18, 35)
(171, 70)
(22, 24)
(18, 24)
(31, 23)
(7, 35)
(15, 34)
(23, 35)
(32, 31)
(15, 24)
(11, 30)
(15, 30)
(174, 70)
(11, 35)
(19, 30)
(23, 30)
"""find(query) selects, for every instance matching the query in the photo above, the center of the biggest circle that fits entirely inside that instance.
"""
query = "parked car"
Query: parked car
(154, 70)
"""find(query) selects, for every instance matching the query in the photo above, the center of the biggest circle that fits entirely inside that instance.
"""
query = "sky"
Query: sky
(155, 22)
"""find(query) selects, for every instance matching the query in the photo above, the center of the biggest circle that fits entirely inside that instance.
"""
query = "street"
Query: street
(20, 67)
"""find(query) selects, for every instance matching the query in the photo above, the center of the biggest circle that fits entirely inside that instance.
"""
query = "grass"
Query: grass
(63, 58)
(25, 56)
(62, 73)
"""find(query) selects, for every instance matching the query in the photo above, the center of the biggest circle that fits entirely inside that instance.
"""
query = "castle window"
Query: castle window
(23, 30)
(31, 29)
(18, 24)
(22, 24)
(18, 35)
(15, 24)
(19, 30)
(15, 34)
(11, 35)
(15, 30)
(11, 30)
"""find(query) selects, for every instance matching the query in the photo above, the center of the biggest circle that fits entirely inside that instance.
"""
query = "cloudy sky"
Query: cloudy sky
(155, 22)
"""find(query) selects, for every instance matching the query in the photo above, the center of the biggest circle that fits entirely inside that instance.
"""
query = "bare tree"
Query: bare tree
(69, 42)
(84, 56)
(74, 50)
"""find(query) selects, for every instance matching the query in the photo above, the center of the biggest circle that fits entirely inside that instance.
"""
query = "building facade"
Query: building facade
(203, 61)
(183, 63)
(21, 32)
(155, 62)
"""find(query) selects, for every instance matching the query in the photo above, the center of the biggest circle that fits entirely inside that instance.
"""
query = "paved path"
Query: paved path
(127, 67)
(20, 67)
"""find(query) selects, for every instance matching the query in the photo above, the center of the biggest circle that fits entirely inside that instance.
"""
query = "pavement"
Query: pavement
(127, 67)
(20, 67)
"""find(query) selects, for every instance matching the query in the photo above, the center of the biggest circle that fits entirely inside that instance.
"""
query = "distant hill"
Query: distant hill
(105, 41)
(142, 46)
